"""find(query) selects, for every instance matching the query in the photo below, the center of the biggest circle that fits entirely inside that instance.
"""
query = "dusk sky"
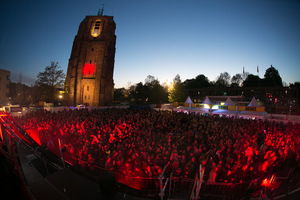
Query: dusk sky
(161, 38)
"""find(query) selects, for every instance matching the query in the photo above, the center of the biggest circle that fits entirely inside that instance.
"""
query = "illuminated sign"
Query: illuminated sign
(215, 107)
(199, 105)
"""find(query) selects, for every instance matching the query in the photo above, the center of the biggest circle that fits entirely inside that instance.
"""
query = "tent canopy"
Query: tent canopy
(206, 101)
(253, 103)
(229, 102)
(188, 100)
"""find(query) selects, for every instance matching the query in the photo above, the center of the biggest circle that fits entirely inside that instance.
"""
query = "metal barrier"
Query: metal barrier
(285, 173)
(239, 189)
(217, 189)
(185, 185)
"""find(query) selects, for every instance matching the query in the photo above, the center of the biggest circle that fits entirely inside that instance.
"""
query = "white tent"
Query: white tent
(253, 103)
(189, 101)
(252, 114)
(207, 101)
(229, 102)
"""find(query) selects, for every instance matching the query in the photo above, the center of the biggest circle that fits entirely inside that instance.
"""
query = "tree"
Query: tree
(200, 81)
(236, 80)
(272, 75)
(223, 80)
(296, 85)
(252, 81)
(245, 76)
(120, 95)
(49, 81)
(138, 93)
(21, 94)
(177, 92)
(151, 81)
(157, 93)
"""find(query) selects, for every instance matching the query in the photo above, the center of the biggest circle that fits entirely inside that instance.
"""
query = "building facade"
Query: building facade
(89, 78)
(4, 87)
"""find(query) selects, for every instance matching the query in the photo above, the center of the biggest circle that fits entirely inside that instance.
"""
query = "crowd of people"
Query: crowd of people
(142, 142)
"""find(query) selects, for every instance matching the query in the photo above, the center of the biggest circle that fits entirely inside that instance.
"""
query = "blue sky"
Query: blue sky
(161, 38)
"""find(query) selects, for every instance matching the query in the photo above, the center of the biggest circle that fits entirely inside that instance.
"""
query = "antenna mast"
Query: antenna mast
(100, 11)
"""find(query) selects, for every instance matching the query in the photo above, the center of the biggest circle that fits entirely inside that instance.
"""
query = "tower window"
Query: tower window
(92, 49)
(96, 29)
(87, 88)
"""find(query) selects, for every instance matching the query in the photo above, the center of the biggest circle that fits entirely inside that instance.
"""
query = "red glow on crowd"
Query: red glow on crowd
(34, 134)
(1, 136)
(88, 69)
(268, 182)
(137, 145)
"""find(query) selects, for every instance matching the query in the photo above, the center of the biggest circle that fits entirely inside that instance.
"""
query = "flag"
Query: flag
(257, 69)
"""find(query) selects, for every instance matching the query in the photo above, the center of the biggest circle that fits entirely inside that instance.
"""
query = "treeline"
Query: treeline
(151, 91)
(49, 87)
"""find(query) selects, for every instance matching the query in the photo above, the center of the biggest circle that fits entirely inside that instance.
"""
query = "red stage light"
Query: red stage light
(266, 182)
(34, 134)
(88, 69)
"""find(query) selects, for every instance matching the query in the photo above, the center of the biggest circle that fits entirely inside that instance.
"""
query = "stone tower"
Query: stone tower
(89, 78)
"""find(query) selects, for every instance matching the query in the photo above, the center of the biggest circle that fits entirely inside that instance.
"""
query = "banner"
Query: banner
(251, 108)
(198, 105)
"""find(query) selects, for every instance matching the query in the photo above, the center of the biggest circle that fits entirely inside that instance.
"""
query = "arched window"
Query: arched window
(96, 29)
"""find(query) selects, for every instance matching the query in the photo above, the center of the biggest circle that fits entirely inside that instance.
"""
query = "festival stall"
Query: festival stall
(190, 107)
(252, 111)
(228, 109)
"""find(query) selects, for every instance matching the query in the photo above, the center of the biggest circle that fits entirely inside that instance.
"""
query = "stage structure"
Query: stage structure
(89, 78)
